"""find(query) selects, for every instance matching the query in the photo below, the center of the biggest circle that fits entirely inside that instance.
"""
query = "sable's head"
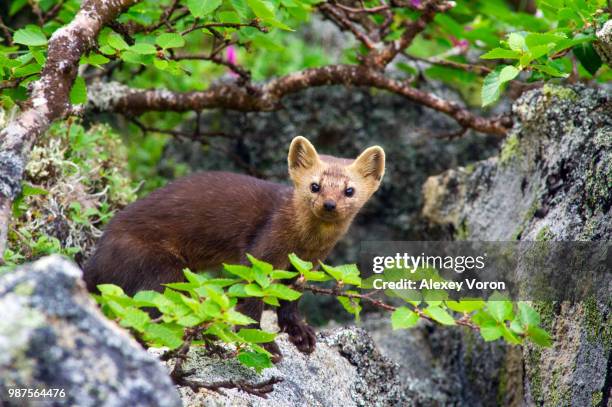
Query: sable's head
(333, 188)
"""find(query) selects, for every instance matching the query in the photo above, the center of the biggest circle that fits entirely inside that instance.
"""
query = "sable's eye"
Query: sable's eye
(314, 187)
(349, 192)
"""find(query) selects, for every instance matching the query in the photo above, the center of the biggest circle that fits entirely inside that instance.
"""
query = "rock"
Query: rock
(444, 366)
(53, 336)
(603, 45)
(346, 369)
(551, 181)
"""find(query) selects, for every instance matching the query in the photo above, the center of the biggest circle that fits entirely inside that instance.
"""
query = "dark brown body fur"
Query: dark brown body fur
(190, 224)
(207, 219)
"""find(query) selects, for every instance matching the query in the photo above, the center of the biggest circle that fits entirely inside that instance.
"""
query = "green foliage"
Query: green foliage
(75, 181)
(203, 308)
(544, 54)
(206, 304)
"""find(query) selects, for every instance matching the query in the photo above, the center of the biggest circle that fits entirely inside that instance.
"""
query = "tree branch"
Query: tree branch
(428, 12)
(116, 97)
(49, 98)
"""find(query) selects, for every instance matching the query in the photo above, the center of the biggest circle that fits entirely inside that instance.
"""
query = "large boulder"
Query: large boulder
(551, 181)
(53, 336)
(346, 369)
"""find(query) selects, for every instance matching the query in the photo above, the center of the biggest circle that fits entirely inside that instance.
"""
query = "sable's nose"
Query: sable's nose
(329, 205)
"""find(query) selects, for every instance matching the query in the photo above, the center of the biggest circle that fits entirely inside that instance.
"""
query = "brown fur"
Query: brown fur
(207, 219)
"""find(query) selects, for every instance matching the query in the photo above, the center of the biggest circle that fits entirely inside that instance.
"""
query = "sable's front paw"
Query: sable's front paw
(273, 348)
(301, 335)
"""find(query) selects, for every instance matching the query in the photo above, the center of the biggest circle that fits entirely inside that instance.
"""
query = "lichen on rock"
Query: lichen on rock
(56, 337)
(74, 181)
(552, 182)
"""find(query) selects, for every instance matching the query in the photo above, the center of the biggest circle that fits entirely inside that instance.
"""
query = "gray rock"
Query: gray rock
(346, 369)
(551, 181)
(52, 335)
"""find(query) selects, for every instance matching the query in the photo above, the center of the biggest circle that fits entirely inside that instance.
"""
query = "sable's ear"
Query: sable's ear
(371, 163)
(302, 154)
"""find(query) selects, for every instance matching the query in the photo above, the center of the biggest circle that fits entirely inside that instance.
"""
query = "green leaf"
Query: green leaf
(466, 305)
(282, 274)
(78, 93)
(27, 70)
(164, 335)
(537, 39)
(244, 272)
(143, 48)
(440, 315)
(253, 290)
(149, 298)
(201, 8)
(283, 292)
(499, 308)
(318, 276)
(110, 289)
(190, 320)
(260, 277)
(588, 57)
(491, 332)
(491, 88)
(116, 41)
(271, 301)
(300, 265)
(238, 290)
(351, 305)
(256, 335)
(501, 53)
(30, 190)
(170, 40)
(16, 6)
(516, 42)
(528, 316)
(550, 70)
(216, 294)
(31, 35)
(160, 64)
(262, 9)
(241, 8)
(539, 336)
(509, 336)
(194, 278)
(508, 73)
(236, 318)
(258, 361)
(264, 266)
(96, 60)
(135, 318)
(403, 318)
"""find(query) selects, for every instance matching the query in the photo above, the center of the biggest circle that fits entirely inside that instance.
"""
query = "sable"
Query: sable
(211, 218)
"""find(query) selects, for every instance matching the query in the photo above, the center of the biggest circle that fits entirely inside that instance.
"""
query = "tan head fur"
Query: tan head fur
(334, 189)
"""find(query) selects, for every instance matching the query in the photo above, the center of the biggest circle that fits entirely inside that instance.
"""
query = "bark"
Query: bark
(114, 97)
(49, 97)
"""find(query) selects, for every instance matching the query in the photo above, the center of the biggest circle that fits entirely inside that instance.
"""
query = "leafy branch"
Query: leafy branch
(203, 310)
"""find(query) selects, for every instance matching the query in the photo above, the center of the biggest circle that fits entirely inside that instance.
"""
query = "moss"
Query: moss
(510, 150)
(462, 232)
(75, 180)
(596, 398)
(535, 377)
(24, 289)
(544, 234)
(597, 328)
(559, 92)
